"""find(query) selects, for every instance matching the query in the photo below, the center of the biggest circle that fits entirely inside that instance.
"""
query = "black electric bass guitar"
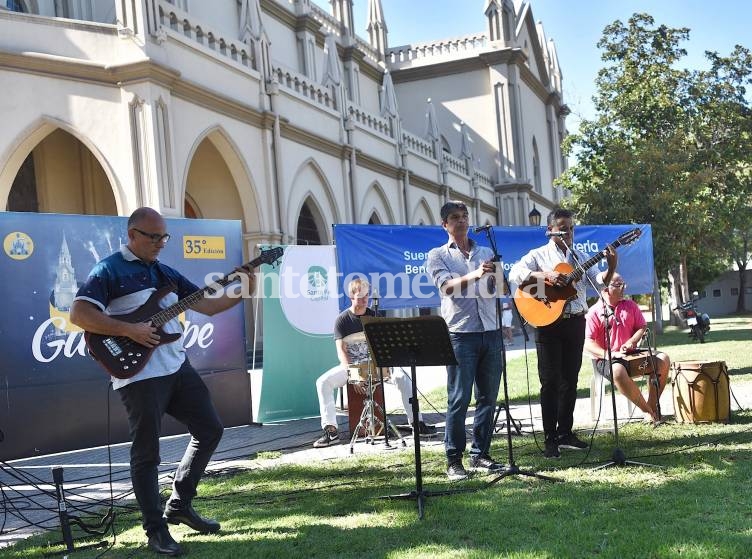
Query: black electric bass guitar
(545, 306)
(122, 357)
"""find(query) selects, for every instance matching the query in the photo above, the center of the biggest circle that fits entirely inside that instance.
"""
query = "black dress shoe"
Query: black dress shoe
(161, 542)
(191, 518)
(426, 429)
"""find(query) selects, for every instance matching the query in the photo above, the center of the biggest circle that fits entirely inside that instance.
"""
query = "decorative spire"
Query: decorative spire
(432, 123)
(332, 64)
(389, 106)
(377, 30)
(250, 21)
(466, 151)
(302, 7)
(491, 11)
(342, 10)
(500, 16)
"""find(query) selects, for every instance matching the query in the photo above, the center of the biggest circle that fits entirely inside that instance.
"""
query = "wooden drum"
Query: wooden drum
(640, 363)
(355, 402)
(358, 372)
(701, 392)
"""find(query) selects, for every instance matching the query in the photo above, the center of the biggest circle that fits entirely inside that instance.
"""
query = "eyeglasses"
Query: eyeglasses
(617, 285)
(156, 238)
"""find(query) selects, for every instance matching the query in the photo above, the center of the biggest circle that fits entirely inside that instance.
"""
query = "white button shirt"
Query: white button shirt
(465, 310)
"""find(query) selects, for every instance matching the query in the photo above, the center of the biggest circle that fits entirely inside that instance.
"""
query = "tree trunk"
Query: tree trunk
(740, 301)
(684, 280)
(675, 297)
(741, 264)
(657, 304)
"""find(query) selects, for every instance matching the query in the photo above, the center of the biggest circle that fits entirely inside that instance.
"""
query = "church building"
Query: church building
(278, 113)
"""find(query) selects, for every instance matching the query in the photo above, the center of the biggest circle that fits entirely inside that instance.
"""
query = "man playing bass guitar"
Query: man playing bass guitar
(167, 383)
(559, 344)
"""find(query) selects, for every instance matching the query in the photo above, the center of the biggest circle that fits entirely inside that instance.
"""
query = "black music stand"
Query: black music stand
(400, 342)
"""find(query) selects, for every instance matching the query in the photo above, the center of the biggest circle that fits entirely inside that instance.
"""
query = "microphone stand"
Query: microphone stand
(387, 422)
(654, 378)
(618, 458)
(510, 468)
(381, 381)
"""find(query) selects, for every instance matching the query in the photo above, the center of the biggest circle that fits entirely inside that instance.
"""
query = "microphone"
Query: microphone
(555, 234)
(480, 228)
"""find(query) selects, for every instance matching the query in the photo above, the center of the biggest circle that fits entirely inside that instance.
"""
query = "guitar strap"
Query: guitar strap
(163, 279)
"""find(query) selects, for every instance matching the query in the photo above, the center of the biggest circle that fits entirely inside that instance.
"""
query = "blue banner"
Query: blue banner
(393, 257)
(54, 393)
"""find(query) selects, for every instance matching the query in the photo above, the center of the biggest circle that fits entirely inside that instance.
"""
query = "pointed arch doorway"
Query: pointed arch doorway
(61, 175)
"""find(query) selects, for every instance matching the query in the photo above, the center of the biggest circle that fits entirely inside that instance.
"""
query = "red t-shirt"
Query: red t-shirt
(627, 319)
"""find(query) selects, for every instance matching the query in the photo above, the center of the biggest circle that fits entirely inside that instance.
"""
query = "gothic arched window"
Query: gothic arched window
(307, 231)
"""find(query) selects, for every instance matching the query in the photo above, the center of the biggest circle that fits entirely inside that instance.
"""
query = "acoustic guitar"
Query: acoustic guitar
(543, 307)
(122, 357)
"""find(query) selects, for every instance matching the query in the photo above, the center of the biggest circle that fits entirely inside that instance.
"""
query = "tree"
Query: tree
(723, 128)
(666, 148)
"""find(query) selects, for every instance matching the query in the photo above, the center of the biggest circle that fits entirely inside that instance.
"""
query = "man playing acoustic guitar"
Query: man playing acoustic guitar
(559, 344)
(627, 329)
(167, 383)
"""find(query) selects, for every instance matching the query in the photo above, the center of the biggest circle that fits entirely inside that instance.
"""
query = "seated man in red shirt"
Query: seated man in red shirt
(627, 329)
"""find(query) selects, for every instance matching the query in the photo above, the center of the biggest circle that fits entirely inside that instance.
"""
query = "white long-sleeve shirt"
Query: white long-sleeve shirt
(545, 259)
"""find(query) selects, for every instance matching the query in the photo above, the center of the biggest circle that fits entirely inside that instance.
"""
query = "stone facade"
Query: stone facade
(275, 113)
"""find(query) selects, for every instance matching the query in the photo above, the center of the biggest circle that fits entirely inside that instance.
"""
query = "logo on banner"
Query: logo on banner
(308, 290)
(318, 284)
(18, 245)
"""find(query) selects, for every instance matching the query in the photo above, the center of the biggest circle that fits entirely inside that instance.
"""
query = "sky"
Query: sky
(575, 26)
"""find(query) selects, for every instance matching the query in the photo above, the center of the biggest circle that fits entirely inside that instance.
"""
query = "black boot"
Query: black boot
(161, 542)
(189, 517)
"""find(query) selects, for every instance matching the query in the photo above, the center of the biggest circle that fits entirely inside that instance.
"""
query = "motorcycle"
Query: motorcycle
(699, 323)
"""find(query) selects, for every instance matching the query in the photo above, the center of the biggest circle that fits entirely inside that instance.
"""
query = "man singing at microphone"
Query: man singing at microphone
(560, 344)
(463, 272)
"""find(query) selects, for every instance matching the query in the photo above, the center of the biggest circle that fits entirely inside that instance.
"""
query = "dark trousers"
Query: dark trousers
(184, 396)
(559, 349)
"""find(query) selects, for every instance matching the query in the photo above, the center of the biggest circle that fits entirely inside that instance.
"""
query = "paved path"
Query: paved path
(30, 503)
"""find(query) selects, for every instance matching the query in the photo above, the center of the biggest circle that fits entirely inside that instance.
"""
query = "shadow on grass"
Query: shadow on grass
(334, 510)
(331, 509)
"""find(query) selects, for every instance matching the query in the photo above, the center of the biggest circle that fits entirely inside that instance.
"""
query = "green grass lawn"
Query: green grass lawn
(696, 505)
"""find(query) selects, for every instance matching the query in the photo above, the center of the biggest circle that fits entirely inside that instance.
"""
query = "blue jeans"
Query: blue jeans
(185, 397)
(479, 358)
